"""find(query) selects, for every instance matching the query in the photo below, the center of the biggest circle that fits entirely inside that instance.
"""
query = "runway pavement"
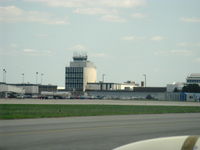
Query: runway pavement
(93, 133)
(104, 102)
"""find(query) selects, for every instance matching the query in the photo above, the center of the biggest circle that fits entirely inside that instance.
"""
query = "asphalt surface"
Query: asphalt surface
(104, 102)
(93, 133)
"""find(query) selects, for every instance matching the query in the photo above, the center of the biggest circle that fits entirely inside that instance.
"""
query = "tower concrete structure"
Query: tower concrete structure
(79, 73)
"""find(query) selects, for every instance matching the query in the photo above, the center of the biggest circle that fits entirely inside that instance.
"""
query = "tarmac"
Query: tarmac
(98, 102)
(93, 133)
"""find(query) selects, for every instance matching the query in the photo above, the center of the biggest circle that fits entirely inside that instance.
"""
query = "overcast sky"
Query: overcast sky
(124, 38)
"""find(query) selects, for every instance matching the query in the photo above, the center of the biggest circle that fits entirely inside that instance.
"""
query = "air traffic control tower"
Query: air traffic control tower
(79, 73)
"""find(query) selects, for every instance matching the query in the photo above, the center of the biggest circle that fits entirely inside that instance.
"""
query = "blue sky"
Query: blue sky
(124, 38)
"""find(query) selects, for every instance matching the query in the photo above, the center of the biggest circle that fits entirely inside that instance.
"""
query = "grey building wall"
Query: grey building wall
(173, 96)
(127, 94)
(35, 88)
(47, 88)
(149, 89)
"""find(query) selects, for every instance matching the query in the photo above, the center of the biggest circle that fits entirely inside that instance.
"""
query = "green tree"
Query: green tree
(191, 88)
(176, 90)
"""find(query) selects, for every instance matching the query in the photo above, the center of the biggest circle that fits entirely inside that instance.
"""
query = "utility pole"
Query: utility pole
(36, 77)
(145, 80)
(103, 76)
(41, 77)
(4, 75)
(23, 89)
(23, 78)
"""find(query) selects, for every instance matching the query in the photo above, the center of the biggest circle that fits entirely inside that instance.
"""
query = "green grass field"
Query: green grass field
(19, 111)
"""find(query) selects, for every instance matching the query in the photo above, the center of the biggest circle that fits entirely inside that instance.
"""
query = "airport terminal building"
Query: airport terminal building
(11, 90)
(194, 78)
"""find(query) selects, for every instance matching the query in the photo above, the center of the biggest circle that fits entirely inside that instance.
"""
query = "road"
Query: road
(104, 102)
(93, 133)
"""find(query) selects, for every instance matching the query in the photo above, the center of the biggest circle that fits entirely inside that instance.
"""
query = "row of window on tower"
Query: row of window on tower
(74, 75)
(74, 69)
(74, 80)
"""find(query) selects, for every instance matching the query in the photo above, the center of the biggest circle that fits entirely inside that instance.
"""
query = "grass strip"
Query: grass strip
(20, 111)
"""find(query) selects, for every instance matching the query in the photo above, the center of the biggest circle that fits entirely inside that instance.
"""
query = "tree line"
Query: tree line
(191, 88)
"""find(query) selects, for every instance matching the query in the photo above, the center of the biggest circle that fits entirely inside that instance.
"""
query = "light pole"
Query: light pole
(103, 76)
(23, 78)
(145, 80)
(23, 89)
(36, 77)
(42, 77)
(4, 75)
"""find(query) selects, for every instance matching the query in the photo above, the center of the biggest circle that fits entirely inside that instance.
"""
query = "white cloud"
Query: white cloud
(181, 52)
(16, 51)
(176, 52)
(34, 52)
(78, 47)
(189, 44)
(98, 55)
(138, 15)
(42, 35)
(112, 18)
(182, 44)
(156, 70)
(197, 60)
(13, 45)
(94, 11)
(123, 3)
(13, 14)
(62, 3)
(198, 44)
(107, 15)
(157, 38)
(192, 19)
(107, 9)
(92, 3)
(8, 51)
(132, 38)
(137, 38)
(28, 50)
